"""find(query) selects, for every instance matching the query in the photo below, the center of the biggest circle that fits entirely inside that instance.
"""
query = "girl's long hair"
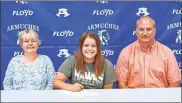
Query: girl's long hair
(99, 58)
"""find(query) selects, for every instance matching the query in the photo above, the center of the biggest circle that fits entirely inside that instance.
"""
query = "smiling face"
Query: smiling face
(29, 42)
(89, 49)
(145, 30)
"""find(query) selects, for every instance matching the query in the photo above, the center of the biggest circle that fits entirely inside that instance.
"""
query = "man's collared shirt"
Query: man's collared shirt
(154, 68)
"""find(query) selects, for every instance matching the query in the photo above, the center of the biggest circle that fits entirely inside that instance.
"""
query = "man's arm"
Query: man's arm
(174, 84)
(173, 74)
(122, 70)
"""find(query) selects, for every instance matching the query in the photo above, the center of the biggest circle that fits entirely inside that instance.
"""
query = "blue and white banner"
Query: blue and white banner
(60, 25)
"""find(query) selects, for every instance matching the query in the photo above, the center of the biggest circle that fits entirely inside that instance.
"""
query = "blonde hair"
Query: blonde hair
(31, 32)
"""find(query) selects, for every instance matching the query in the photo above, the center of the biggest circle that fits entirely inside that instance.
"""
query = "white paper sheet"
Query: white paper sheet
(82, 93)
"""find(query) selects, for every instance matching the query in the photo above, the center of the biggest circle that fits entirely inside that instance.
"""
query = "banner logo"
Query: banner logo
(178, 38)
(63, 11)
(65, 33)
(17, 53)
(104, 12)
(104, 37)
(177, 11)
(102, 1)
(63, 52)
(22, 2)
(22, 13)
(142, 10)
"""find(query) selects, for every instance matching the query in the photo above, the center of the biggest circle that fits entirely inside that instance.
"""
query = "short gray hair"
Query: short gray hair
(27, 32)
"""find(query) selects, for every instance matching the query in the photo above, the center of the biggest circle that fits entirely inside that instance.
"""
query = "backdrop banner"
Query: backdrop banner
(60, 25)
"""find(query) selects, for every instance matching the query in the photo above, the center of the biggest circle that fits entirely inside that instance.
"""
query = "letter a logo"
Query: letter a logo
(142, 11)
(63, 52)
(62, 11)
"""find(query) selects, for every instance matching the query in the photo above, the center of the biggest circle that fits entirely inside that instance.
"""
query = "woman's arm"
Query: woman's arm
(59, 83)
(108, 86)
(8, 79)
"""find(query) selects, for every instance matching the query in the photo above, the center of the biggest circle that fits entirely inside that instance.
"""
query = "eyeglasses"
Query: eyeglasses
(32, 41)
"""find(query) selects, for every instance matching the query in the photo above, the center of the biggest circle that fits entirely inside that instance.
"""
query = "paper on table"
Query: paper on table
(82, 93)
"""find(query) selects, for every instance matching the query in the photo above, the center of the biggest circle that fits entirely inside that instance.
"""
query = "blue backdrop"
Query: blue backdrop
(60, 24)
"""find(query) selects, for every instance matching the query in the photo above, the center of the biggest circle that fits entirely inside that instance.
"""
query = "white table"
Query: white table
(98, 95)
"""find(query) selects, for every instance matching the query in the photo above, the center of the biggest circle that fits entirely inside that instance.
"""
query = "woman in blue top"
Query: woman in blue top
(30, 71)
